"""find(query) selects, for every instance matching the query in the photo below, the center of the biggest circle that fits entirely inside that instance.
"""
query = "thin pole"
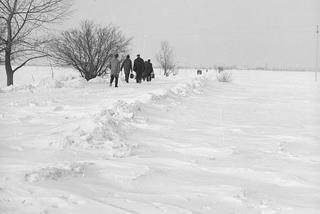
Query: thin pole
(317, 55)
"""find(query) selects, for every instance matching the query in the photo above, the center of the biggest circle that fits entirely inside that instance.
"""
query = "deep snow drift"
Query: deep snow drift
(184, 144)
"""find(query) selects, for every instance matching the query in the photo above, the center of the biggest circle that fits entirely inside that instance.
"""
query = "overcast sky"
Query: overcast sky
(209, 32)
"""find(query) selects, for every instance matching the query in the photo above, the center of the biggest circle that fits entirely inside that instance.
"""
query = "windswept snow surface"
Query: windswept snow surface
(183, 144)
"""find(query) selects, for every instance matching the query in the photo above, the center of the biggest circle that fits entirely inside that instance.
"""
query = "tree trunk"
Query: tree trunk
(166, 72)
(8, 50)
(9, 78)
(9, 70)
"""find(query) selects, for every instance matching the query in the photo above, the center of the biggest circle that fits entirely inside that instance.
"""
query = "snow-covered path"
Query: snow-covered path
(189, 146)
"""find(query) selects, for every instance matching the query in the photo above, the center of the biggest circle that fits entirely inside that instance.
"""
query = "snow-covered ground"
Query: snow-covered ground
(183, 144)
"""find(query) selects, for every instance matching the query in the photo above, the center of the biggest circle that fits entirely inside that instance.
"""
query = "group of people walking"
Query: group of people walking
(143, 69)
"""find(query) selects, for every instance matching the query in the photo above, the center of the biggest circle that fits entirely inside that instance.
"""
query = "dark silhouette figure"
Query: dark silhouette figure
(127, 66)
(115, 70)
(144, 74)
(138, 67)
(148, 70)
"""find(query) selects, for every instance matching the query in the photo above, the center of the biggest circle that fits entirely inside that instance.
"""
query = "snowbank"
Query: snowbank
(40, 77)
(14, 88)
(32, 75)
(106, 130)
(47, 83)
(64, 82)
(98, 80)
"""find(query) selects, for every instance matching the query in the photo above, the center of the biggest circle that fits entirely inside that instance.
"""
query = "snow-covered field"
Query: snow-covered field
(183, 144)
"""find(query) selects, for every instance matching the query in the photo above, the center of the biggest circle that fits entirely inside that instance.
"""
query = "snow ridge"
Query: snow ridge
(107, 129)
(48, 83)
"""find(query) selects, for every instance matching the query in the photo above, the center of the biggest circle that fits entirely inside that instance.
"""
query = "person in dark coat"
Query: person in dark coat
(138, 67)
(144, 74)
(148, 70)
(127, 66)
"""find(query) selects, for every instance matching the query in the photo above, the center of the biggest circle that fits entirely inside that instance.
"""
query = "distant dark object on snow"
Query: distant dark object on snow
(199, 72)
(220, 69)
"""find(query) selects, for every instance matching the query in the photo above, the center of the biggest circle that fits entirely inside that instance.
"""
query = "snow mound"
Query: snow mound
(107, 130)
(13, 88)
(49, 83)
(71, 82)
(183, 89)
(56, 172)
(104, 131)
(98, 80)
(180, 90)
(75, 83)
(64, 78)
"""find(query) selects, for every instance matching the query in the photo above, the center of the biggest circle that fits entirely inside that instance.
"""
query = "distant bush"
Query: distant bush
(89, 48)
(165, 59)
(224, 76)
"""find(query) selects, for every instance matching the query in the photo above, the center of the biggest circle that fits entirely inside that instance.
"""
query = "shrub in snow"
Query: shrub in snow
(89, 48)
(224, 76)
(165, 58)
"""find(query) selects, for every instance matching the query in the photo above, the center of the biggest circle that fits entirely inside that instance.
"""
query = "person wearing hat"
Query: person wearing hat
(115, 70)
(138, 67)
(127, 66)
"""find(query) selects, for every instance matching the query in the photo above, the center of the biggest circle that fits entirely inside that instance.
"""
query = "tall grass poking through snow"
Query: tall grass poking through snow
(224, 76)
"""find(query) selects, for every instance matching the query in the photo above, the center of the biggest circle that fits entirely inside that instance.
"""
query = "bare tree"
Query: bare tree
(90, 48)
(2, 33)
(165, 58)
(2, 27)
(22, 20)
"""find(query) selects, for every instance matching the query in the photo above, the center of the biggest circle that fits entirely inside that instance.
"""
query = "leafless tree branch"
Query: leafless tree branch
(165, 58)
(20, 22)
(90, 48)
